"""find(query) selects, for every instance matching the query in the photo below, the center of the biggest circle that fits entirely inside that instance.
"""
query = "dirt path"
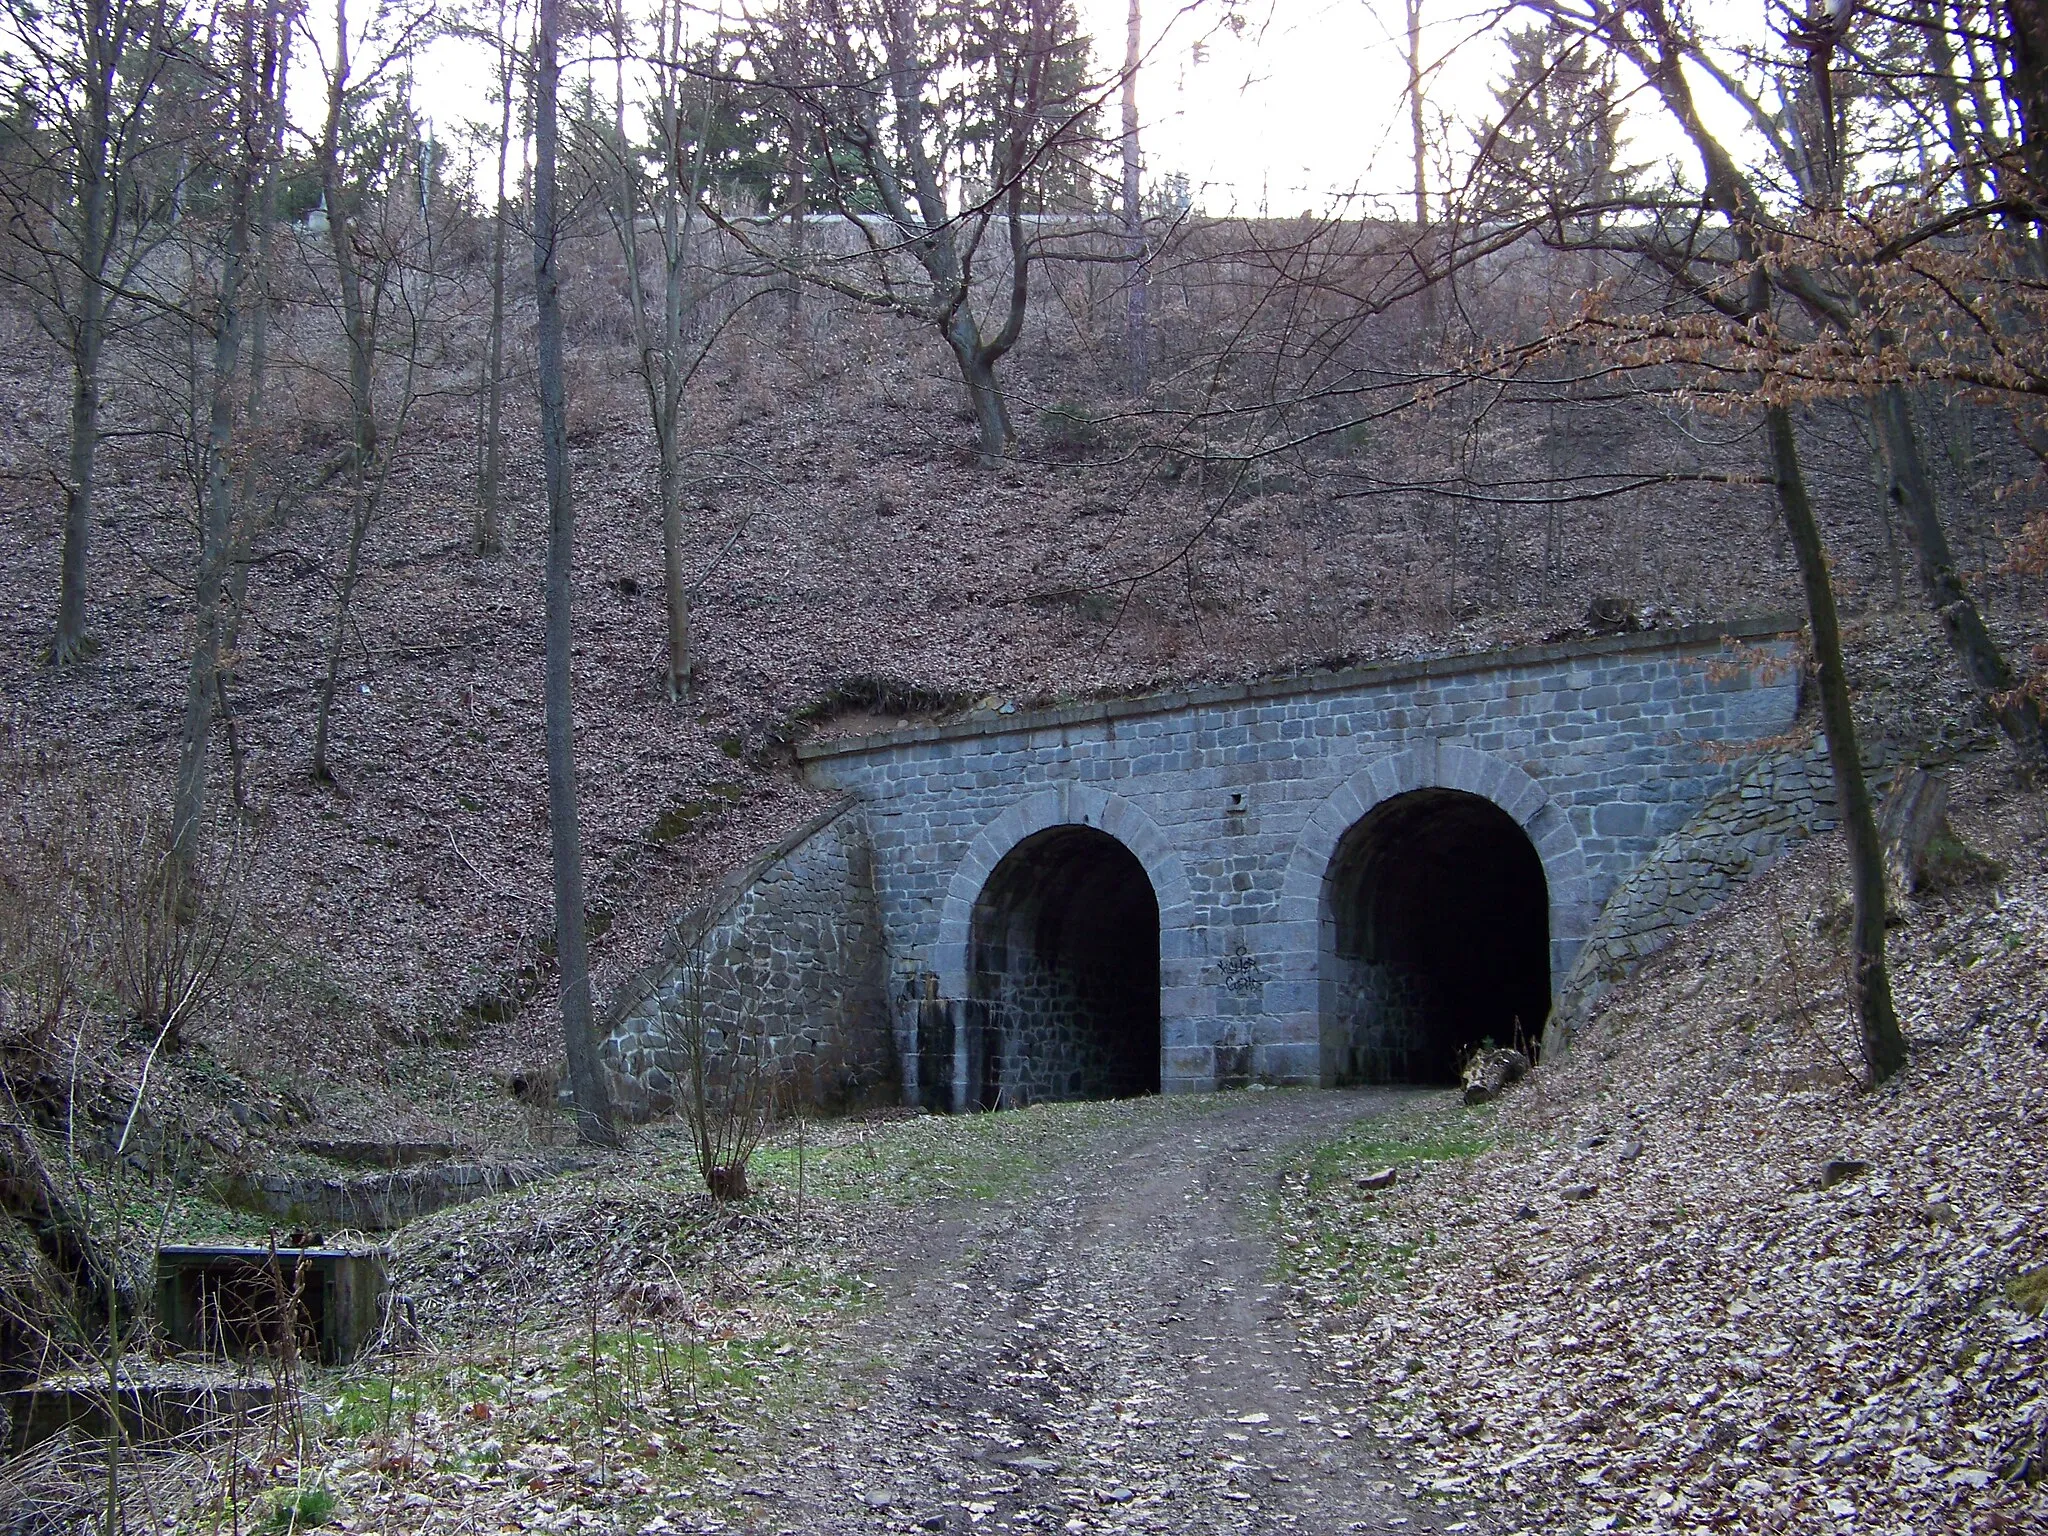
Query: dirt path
(1109, 1355)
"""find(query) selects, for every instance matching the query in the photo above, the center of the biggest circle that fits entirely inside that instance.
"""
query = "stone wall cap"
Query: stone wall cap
(1688, 637)
(710, 909)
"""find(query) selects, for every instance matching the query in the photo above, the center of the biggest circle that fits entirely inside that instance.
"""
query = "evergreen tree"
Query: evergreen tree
(1553, 150)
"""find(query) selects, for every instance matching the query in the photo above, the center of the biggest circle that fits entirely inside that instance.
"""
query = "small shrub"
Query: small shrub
(1950, 864)
(731, 1080)
(535, 1085)
(1069, 431)
(96, 918)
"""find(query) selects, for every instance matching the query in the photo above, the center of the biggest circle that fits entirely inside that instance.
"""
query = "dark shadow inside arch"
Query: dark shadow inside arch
(1064, 962)
(1436, 938)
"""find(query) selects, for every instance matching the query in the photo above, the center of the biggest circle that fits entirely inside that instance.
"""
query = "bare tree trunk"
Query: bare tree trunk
(797, 204)
(2026, 82)
(579, 1041)
(1931, 16)
(337, 634)
(1911, 818)
(216, 520)
(1137, 341)
(1911, 490)
(984, 396)
(359, 328)
(69, 644)
(680, 664)
(1420, 142)
(1884, 1047)
(676, 232)
(490, 531)
(247, 518)
(799, 212)
(88, 335)
(490, 536)
(660, 343)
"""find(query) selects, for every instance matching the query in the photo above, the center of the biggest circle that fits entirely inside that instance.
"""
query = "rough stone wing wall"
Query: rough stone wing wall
(790, 962)
(1785, 797)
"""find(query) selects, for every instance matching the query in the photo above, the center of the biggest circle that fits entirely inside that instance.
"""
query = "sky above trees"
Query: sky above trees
(1265, 106)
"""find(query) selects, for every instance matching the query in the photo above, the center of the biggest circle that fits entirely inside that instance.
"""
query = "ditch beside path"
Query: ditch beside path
(1111, 1353)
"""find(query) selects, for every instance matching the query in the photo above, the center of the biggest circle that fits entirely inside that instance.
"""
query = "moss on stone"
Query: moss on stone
(2028, 1291)
(681, 816)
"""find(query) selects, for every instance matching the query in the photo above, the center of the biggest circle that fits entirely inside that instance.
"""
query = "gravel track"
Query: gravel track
(1108, 1354)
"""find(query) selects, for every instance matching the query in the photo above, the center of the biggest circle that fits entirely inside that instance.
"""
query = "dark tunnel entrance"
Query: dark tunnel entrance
(1065, 974)
(1436, 938)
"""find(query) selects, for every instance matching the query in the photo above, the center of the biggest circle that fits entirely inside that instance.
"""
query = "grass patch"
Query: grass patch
(682, 816)
(1414, 1136)
(1950, 864)
(1339, 1241)
(994, 1156)
(299, 1509)
(188, 1217)
(660, 1401)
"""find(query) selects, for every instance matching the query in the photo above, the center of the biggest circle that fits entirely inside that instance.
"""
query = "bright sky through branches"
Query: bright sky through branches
(1306, 103)
(1301, 106)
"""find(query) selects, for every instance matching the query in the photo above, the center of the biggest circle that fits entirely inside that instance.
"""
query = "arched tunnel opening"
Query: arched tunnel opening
(1436, 938)
(1064, 974)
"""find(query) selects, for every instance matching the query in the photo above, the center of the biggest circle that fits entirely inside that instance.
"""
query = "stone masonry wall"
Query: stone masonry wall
(1381, 1009)
(1787, 797)
(1047, 1037)
(1235, 798)
(793, 961)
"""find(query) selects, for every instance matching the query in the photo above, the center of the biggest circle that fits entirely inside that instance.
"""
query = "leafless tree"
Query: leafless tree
(669, 201)
(1829, 281)
(1137, 338)
(250, 54)
(91, 184)
(942, 125)
(506, 23)
(579, 1037)
(386, 284)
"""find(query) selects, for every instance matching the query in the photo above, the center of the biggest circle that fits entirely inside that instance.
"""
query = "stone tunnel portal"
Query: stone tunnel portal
(1064, 979)
(1436, 937)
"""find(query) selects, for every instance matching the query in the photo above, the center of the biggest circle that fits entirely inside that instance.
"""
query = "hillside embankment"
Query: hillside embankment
(847, 560)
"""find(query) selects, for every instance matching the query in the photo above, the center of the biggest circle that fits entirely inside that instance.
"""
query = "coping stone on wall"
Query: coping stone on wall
(1306, 684)
(709, 911)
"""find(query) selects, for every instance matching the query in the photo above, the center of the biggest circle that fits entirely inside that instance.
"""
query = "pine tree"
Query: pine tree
(1553, 150)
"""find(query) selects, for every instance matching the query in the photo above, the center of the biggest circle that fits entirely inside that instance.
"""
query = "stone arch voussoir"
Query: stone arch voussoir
(1442, 765)
(1075, 805)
